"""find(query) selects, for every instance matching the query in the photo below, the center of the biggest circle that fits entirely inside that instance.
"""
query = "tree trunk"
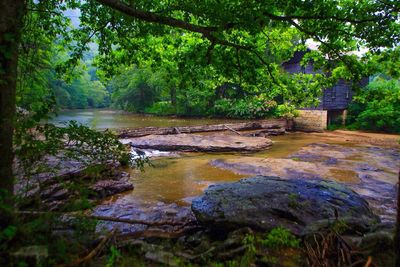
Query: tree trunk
(172, 93)
(397, 236)
(11, 13)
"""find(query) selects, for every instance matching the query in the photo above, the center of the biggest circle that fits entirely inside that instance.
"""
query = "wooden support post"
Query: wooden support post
(344, 117)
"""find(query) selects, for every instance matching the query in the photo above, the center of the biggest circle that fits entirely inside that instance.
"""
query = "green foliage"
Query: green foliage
(113, 257)
(279, 238)
(42, 82)
(226, 82)
(161, 108)
(135, 89)
(7, 233)
(377, 107)
(254, 107)
(286, 110)
(72, 142)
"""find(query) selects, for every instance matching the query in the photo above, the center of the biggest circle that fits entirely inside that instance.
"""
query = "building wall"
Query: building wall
(311, 120)
(337, 97)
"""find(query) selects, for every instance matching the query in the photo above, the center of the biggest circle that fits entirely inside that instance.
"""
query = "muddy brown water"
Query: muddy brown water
(179, 179)
(114, 119)
(172, 182)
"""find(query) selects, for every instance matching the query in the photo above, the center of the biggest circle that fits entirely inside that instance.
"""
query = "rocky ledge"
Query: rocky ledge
(200, 143)
(55, 191)
(266, 202)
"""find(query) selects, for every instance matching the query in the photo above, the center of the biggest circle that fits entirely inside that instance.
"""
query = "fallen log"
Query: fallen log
(265, 132)
(241, 126)
(232, 130)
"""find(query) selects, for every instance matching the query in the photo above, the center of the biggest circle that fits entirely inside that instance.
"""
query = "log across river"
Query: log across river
(274, 125)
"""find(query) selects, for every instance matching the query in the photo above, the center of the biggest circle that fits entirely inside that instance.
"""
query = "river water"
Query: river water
(177, 178)
(113, 119)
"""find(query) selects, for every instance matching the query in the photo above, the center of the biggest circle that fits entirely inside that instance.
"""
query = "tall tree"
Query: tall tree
(11, 14)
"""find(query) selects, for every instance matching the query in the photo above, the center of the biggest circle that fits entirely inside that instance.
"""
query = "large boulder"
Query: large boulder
(265, 202)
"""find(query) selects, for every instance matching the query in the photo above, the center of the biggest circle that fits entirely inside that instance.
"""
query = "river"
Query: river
(114, 119)
(174, 180)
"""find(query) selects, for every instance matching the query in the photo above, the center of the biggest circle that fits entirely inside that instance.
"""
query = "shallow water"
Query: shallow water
(114, 119)
(174, 180)
(178, 179)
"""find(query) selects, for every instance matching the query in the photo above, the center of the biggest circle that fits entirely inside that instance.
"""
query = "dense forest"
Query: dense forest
(164, 77)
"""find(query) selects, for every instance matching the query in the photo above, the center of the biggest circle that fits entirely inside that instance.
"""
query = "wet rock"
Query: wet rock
(367, 167)
(331, 161)
(293, 174)
(60, 194)
(380, 246)
(106, 188)
(201, 143)
(241, 168)
(265, 202)
(285, 168)
(380, 241)
(54, 191)
(308, 157)
(182, 218)
(351, 226)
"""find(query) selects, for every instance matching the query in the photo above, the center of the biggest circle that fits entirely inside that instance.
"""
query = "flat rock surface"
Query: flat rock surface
(200, 143)
(369, 170)
(265, 202)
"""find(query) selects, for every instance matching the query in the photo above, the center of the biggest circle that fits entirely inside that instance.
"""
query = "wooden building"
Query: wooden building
(334, 100)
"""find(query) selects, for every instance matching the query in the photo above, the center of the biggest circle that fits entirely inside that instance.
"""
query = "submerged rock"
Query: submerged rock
(201, 143)
(265, 202)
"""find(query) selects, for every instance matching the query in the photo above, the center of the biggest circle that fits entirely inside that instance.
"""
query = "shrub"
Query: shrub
(286, 111)
(279, 238)
(161, 108)
(247, 108)
(377, 107)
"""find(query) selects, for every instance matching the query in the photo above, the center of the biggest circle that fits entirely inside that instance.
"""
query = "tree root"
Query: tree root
(96, 251)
